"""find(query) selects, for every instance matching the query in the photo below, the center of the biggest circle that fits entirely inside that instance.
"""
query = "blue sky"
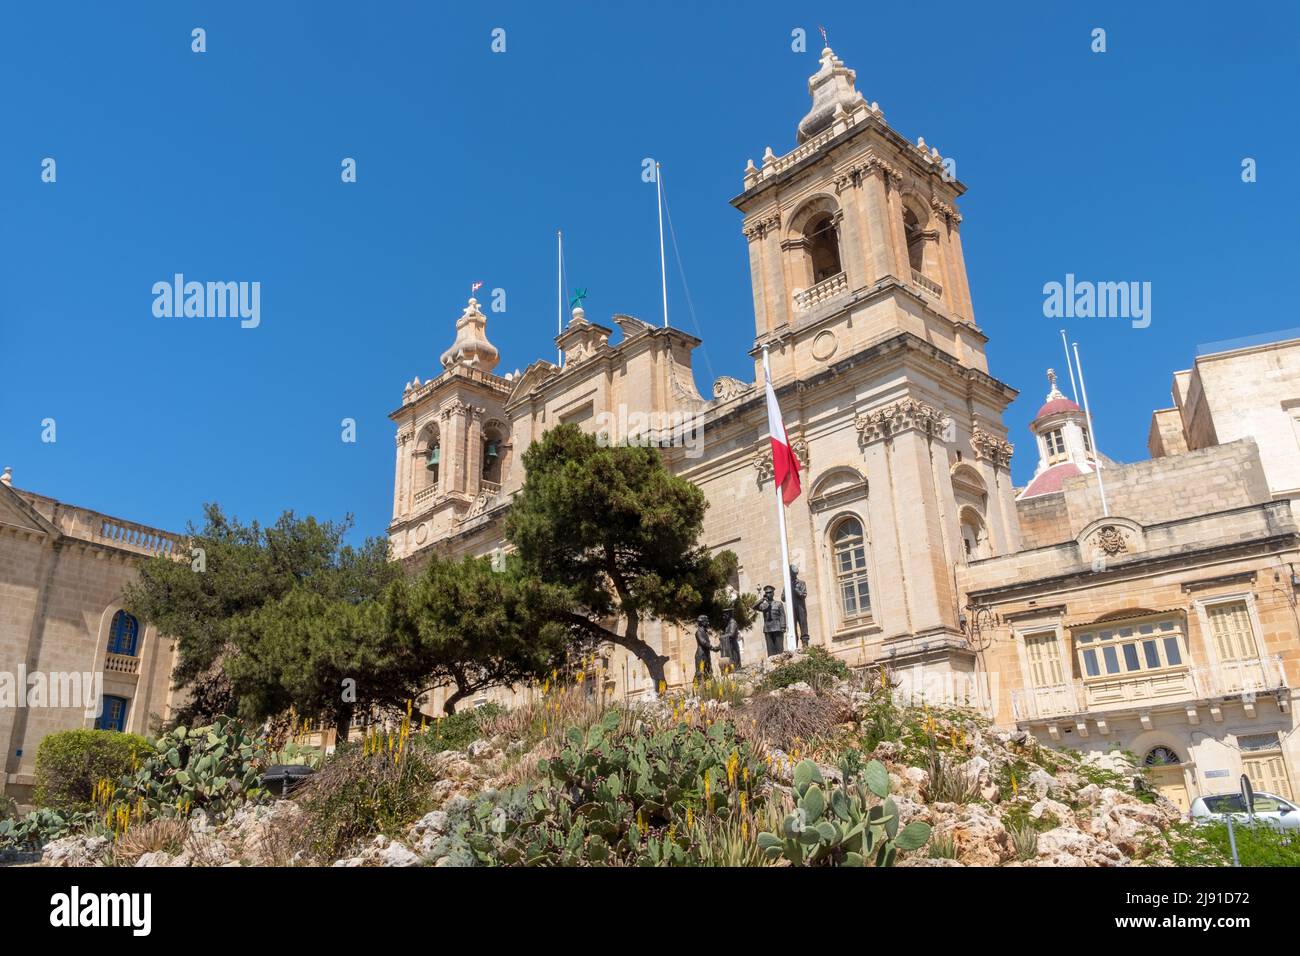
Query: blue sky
(225, 166)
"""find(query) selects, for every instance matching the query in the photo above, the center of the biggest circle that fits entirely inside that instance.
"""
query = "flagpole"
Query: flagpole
(1074, 392)
(1083, 389)
(790, 640)
(663, 270)
(559, 293)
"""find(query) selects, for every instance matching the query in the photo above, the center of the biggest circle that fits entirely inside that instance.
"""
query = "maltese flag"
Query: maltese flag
(785, 466)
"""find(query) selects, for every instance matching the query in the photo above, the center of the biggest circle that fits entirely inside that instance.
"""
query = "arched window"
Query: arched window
(849, 545)
(913, 230)
(124, 635)
(823, 247)
(428, 464)
(1161, 757)
(494, 449)
(974, 535)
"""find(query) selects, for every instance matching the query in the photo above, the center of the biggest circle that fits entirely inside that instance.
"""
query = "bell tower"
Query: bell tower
(853, 236)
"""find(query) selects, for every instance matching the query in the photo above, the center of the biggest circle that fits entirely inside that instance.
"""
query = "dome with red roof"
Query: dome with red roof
(1056, 402)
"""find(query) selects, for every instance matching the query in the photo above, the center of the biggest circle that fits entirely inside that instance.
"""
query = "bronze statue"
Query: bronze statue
(800, 605)
(730, 641)
(773, 612)
(703, 663)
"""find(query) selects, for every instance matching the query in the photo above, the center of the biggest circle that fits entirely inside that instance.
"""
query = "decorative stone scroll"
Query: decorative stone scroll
(944, 210)
(725, 388)
(908, 414)
(762, 460)
(991, 448)
(759, 227)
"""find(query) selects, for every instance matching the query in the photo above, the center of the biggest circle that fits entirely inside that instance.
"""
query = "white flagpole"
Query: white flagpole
(790, 639)
(559, 293)
(1101, 486)
(1074, 392)
(663, 270)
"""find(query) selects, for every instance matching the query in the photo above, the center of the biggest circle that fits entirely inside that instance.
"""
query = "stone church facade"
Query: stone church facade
(1154, 611)
(1163, 623)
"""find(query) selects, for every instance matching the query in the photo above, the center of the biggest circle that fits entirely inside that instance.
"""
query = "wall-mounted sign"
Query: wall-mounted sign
(1210, 774)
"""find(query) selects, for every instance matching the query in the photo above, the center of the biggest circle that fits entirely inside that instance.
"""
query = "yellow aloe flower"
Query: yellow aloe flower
(690, 817)
(1015, 787)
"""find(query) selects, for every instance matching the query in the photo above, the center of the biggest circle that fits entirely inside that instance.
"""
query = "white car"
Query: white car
(1269, 809)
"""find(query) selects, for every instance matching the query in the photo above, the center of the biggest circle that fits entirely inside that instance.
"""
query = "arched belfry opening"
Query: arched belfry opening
(823, 247)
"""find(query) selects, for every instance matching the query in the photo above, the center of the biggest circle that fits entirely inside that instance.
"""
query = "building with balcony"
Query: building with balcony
(70, 655)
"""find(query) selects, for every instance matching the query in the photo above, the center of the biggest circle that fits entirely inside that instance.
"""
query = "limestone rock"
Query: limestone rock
(76, 851)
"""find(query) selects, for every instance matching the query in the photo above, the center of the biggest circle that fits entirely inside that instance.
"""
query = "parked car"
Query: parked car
(1269, 809)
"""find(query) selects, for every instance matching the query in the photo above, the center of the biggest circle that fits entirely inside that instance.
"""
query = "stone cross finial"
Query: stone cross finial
(1053, 392)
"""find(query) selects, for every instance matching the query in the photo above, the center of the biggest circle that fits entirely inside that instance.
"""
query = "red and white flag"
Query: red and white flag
(785, 466)
(475, 287)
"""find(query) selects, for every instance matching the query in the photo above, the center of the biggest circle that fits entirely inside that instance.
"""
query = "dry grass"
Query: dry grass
(790, 720)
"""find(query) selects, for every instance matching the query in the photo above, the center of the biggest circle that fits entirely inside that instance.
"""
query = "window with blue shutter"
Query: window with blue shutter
(124, 634)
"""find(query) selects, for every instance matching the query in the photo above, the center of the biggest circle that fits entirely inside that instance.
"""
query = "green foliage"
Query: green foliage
(295, 754)
(214, 768)
(247, 568)
(816, 668)
(43, 825)
(840, 826)
(1207, 844)
(8, 806)
(71, 762)
(472, 627)
(943, 846)
(1024, 840)
(458, 731)
(949, 781)
(618, 534)
(359, 793)
(617, 797)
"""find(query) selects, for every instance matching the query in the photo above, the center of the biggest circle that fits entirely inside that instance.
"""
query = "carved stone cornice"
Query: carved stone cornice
(405, 434)
(951, 215)
(453, 407)
(725, 388)
(855, 174)
(907, 414)
(991, 448)
(760, 226)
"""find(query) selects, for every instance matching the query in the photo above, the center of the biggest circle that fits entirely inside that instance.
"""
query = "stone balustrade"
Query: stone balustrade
(807, 299)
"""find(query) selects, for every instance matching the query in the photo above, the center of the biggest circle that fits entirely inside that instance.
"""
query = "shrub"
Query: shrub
(70, 763)
(817, 668)
(457, 731)
(1257, 845)
(789, 719)
(8, 806)
(362, 791)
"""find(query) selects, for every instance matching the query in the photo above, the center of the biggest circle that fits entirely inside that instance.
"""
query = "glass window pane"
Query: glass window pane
(1131, 657)
(1172, 654)
(1090, 662)
(1112, 659)
(1152, 654)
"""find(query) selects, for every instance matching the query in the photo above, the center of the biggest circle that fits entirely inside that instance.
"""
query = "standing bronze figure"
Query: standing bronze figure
(800, 605)
(703, 663)
(730, 640)
(773, 612)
